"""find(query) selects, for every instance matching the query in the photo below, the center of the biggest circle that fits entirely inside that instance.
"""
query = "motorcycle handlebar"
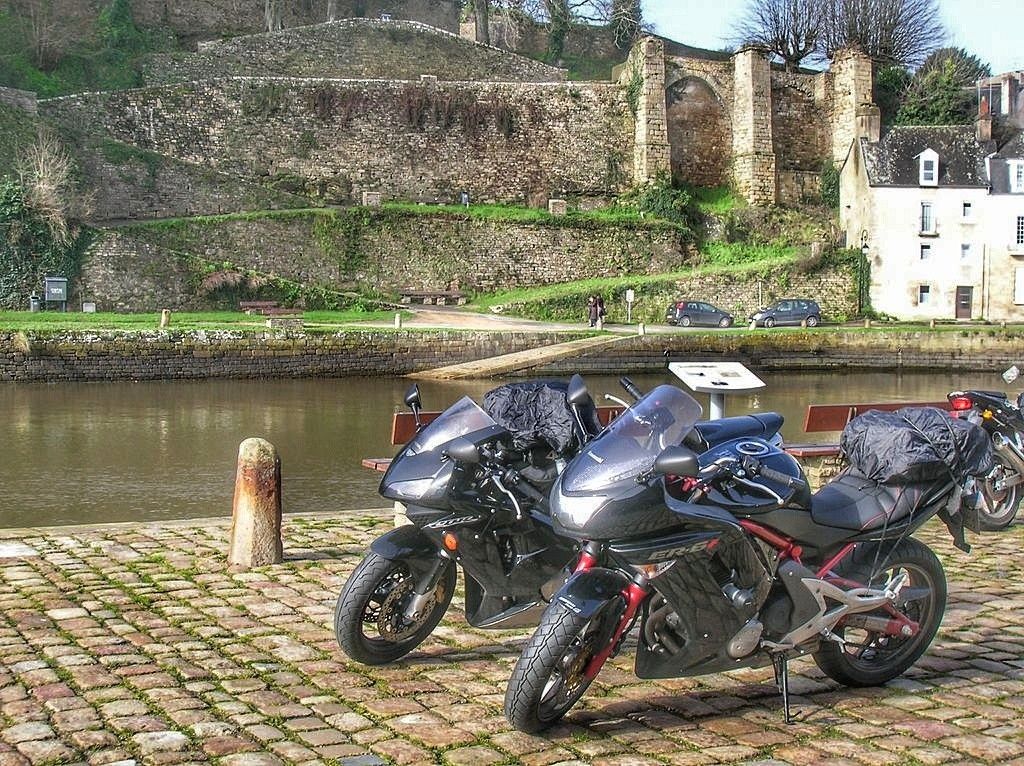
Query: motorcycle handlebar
(757, 469)
(631, 388)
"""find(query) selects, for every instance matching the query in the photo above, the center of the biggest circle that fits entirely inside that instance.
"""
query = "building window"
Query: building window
(926, 252)
(1016, 177)
(927, 219)
(965, 251)
(968, 212)
(1020, 230)
(928, 169)
(923, 294)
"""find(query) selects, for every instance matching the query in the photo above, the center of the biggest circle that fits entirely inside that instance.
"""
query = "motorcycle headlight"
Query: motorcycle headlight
(413, 489)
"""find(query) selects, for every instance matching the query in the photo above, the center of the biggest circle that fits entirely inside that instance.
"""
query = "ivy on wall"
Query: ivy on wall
(30, 249)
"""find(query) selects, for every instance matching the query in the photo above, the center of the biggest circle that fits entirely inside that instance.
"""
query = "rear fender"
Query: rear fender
(407, 544)
(586, 592)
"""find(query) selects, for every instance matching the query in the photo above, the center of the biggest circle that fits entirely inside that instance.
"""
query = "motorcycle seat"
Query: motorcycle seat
(708, 432)
(853, 501)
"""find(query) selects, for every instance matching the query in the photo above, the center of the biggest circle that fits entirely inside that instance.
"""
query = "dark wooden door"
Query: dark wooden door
(964, 301)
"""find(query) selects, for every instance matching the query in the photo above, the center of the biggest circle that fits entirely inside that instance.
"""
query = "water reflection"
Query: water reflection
(82, 453)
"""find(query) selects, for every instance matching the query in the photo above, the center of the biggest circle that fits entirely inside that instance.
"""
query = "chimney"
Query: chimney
(984, 122)
(869, 122)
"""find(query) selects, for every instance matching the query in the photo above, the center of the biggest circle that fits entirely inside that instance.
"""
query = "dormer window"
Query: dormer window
(928, 167)
(1016, 176)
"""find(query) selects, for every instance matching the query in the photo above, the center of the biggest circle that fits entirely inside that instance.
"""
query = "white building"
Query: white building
(939, 212)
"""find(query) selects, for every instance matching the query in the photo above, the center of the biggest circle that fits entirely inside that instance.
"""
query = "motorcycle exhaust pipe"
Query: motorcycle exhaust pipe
(1007, 449)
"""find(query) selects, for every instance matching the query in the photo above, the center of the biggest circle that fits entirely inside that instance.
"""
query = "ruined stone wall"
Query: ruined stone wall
(699, 115)
(643, 78)
(507, 142)
(151, 267)
(213, 19)
(800, 123)
(849, 85)
(351, 49)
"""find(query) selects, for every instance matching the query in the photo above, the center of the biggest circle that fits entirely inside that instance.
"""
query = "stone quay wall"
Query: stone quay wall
(197, 355)
(146, 267)
(351, 49)
(422, 141)
(166, 355)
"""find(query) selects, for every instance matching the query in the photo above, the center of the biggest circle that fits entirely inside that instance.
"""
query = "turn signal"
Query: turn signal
(961, 403)
(451, 542)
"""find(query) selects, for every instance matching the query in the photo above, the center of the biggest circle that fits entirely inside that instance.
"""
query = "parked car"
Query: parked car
(788, 311)
(696, 313)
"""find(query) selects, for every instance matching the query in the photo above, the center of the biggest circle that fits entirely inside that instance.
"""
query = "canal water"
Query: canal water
(105, 452)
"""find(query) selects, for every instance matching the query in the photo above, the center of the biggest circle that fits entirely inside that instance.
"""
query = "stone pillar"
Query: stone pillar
(852, 87)
(753, 147)
(983, 124)
(256, 516)
(646, 68)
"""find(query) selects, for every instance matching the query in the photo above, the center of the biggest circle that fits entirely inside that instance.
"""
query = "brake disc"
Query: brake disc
(392, 623)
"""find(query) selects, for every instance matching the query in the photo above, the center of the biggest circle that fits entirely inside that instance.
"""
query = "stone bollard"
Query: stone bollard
(640, 329)
(255, 539)
(867, 322)
(398, 320)
(165, 318)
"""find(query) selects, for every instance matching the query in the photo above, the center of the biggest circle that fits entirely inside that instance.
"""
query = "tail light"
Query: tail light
(961, 403)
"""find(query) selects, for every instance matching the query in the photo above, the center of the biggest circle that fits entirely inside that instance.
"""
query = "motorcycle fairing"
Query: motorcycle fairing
(408, 544)
(587, 592)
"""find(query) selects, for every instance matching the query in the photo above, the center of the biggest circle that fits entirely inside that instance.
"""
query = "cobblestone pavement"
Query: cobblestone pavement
(133, 643)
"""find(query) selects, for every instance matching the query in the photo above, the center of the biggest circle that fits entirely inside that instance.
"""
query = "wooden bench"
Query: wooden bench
(403, 428)
(433, 297)
(821, 418)
(267, 308)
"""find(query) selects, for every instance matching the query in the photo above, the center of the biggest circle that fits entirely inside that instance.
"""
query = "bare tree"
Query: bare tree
(52, 28)
(482, 17)
(332, 10)
(790, 29)
(900, 32)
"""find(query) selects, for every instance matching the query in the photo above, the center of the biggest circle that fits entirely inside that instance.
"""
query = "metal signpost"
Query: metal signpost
(630, 297)
(716, 379)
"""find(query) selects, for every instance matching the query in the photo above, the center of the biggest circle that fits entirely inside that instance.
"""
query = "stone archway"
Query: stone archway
(699, 132)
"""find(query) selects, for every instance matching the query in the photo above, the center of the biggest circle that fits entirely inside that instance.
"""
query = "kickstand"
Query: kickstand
(781, 665)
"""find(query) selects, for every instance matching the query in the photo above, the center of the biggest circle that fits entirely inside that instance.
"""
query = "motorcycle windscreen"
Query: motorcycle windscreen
(420, 473)
(463, 417)
(632, 441)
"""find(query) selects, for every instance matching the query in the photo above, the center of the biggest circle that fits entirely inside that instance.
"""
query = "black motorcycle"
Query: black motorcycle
(476, 496)
(1002, 419)
(726, 560)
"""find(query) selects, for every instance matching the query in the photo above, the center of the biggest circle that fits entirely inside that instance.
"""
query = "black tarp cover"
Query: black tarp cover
(915, 444)
(533, 411)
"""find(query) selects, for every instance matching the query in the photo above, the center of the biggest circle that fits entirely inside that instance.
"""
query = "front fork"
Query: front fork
(425, 587)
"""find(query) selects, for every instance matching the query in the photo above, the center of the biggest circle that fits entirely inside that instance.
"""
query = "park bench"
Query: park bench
(821, 418)
(403, 428)
(267, 308)
(434, 297)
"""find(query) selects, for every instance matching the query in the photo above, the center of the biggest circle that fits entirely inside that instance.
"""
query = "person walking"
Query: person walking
(593, 312)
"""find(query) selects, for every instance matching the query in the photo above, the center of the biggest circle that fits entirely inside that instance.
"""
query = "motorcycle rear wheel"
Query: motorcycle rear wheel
(871, 659)
(549, 677)
(1001, 504)
(369, 620)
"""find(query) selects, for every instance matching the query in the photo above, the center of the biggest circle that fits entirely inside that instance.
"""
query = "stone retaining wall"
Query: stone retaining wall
(22, 99)
(501, 142)
(192, 355)
(143, 268)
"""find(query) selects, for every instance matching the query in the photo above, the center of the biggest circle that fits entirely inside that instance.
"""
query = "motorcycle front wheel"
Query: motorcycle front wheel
(1001, 501)
(868, 658)
(369, 620)
(550, 676)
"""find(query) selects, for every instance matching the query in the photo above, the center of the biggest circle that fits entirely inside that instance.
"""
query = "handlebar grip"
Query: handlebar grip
(630, 387)
(782, 478)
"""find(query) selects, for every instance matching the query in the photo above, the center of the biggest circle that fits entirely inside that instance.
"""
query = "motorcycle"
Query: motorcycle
(726, 560)
(1002, 419)
(476, 496)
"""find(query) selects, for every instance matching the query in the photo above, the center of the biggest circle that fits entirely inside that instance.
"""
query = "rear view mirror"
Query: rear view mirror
(412, 396)
(463, 451)
(677, 461)
(576, 394)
